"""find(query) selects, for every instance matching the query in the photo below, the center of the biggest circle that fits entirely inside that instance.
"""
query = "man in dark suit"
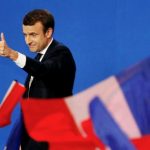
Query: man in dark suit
(50, 76)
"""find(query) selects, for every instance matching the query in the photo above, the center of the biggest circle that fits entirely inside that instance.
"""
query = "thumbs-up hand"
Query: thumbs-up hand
(3, 46)
(6, 51)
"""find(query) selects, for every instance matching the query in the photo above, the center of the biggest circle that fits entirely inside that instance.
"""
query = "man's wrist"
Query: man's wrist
(13, 55)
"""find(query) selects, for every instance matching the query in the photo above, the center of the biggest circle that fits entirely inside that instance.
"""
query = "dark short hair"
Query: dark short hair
(40, 15)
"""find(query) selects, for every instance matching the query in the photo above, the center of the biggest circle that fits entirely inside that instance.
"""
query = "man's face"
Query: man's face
(35, 38)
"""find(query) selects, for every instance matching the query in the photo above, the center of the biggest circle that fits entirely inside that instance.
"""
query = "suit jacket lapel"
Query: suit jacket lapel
(50, 49)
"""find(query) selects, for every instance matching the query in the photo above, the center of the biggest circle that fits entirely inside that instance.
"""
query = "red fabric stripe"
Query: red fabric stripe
(51, 121)
(10, 102)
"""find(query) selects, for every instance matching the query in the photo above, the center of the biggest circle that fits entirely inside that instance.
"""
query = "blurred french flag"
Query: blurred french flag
(113, 114)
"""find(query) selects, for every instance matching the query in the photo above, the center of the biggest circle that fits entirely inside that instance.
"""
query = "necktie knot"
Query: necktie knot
(38, 56)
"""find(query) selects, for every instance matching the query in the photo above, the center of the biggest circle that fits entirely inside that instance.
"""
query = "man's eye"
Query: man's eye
(34, 35)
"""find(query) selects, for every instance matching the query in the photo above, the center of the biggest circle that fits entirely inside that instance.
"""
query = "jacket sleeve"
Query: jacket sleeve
(60, 60)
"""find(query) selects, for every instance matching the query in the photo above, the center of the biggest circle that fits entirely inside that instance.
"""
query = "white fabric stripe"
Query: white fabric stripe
(112, 97)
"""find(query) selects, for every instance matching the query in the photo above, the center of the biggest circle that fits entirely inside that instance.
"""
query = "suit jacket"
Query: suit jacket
(53, 77)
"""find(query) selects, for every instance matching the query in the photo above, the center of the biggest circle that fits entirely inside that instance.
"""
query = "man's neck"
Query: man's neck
(45, 49)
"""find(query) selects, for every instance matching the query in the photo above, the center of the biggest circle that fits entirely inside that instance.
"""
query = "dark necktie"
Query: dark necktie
(38, 56)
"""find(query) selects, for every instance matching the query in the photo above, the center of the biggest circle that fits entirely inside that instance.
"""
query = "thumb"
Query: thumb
(2, 37)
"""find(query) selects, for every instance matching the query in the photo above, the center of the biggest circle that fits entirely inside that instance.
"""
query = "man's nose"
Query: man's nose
(28, 39)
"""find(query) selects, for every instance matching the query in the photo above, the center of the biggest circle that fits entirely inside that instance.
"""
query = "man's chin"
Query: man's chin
(32, 49)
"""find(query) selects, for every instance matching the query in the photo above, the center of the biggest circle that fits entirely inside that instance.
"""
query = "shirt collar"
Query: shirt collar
(45, 49)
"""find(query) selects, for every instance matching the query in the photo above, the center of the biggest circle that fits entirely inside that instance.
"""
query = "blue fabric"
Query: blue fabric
(14, 139)
(106, 128)
(135, 84)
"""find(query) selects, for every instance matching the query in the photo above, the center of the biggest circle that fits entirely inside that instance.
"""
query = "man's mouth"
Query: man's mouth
(31, 46)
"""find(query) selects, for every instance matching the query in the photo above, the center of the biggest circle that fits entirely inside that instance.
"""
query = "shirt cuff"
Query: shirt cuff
(21, 60)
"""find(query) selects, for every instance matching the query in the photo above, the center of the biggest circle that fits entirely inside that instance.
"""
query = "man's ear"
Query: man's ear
(49, 33)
